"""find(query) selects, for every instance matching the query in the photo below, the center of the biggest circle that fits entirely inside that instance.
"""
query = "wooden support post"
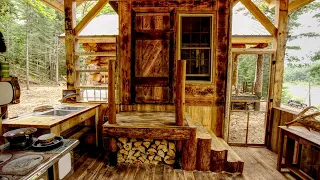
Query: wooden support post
(258, 84)
(111, 92)
(125, 49)
(280, 46)
(180, 91)
(70, 44)
(189, 152)
(235, 72)
(112, 110)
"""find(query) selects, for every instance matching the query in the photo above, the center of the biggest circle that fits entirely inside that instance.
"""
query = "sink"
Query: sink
(72, 108)
(57, 113)
(61, 111)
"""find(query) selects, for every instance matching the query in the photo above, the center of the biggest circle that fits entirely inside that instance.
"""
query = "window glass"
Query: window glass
(196, 47)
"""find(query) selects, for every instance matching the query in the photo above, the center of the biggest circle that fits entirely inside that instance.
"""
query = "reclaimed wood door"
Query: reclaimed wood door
(151, 68)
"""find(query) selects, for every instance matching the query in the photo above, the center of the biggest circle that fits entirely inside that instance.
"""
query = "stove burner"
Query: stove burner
(22, 165)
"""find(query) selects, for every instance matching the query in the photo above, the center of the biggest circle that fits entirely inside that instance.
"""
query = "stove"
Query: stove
(16, 164)
(34, 163)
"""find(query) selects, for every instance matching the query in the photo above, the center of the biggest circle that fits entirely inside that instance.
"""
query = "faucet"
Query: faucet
(68, 96)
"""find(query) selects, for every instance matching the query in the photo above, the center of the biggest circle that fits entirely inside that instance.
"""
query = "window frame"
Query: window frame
(212, 43)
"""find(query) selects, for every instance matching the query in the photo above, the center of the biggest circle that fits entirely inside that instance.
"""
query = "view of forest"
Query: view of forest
(302, 67)
(31, 29)
(35, 53)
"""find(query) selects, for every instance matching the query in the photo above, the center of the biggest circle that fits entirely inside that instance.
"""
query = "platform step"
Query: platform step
(219, 154)
(234, 163)
(222, 157)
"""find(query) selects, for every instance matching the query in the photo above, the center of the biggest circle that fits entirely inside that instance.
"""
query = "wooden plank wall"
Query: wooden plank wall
(279, 116)
(209, 97)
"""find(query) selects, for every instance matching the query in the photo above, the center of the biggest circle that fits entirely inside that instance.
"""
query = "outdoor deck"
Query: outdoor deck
(260, 163)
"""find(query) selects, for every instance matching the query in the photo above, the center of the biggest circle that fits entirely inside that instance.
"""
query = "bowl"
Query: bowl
(46, 138)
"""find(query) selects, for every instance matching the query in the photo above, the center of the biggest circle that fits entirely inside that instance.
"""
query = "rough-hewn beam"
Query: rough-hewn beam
(281, 20)
(91, 14)
(252, 51)
(260, 16)
(251, 40)
(55, 4)
(297, 4)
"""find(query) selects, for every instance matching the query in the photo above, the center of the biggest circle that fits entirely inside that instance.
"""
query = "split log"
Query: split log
(146, 144)
(203, 154)
(189, 152)
(140, 151)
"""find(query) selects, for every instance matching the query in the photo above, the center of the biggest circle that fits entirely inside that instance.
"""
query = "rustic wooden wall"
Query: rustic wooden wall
(209, 97)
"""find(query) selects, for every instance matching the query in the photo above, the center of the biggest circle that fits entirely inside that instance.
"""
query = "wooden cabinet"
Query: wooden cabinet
(299, 149)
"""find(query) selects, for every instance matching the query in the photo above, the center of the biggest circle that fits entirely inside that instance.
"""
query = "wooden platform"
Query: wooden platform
(260, 163)
(148, 125)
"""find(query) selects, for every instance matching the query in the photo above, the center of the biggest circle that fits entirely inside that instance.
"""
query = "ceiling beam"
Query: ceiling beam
(91, 14)
(297, 4)
(54, 4)
(255, 11)
(252, 51)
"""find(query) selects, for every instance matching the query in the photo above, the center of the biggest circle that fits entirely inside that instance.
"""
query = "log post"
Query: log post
(235, 73)
(180, 91)
(112, 110)
(258, 85)
(281, 21)
(203, 154)
(70, 23)
(111, 92)
(189, 152)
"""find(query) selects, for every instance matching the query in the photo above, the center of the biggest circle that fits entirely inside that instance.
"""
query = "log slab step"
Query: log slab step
(234, 163)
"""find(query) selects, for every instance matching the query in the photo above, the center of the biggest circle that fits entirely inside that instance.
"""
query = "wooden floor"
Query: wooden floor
(259, 163)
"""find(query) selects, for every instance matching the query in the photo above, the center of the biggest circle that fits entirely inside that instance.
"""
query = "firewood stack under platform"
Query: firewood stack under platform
(149, 151)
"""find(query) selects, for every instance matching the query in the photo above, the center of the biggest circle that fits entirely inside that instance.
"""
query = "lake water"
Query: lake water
(302, 92)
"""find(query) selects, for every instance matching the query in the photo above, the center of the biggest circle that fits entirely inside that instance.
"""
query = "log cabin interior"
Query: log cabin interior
(161, 81)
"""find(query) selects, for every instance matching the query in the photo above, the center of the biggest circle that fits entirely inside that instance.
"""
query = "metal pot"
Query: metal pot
(20, 135)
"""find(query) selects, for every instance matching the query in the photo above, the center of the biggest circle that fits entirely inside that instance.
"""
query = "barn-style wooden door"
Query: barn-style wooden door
(151, 38)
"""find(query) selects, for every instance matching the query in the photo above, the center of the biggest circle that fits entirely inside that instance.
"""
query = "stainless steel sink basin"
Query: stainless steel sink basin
(72, 108)
(57, 113)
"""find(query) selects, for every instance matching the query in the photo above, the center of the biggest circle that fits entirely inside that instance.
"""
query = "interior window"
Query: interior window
(195, 47)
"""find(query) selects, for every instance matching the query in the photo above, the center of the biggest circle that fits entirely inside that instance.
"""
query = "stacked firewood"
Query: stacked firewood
(94, 63)
(98, 62)
(148, 151)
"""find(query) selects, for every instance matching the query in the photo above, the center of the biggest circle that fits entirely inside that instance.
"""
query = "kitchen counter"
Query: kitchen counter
(57, 124)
